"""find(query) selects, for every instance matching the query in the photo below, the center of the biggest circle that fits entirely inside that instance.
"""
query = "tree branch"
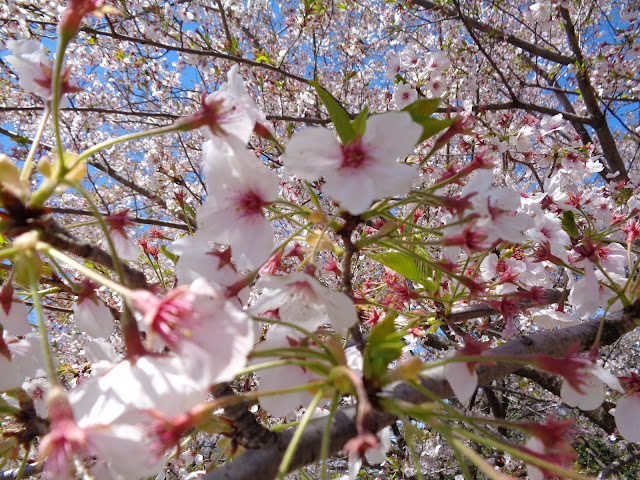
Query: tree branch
(491, 30)
(263, 463)
(607, 142)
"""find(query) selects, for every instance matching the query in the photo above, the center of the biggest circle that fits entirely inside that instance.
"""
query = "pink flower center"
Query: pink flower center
(249, 203)
(546, 232)
(302, 288)
(353, 155)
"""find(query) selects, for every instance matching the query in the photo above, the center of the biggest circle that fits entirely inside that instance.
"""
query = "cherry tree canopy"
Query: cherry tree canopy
(409, 227)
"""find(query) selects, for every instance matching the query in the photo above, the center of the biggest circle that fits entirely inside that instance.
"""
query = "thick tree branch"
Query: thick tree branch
(616, 466)
(607, 142)
(263, 463)
(553, 384)
(495, 32)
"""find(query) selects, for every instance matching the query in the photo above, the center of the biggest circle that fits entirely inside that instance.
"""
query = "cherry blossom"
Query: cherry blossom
(13, 313)
(91, 314)
(363, 170)
(283, 377)
(124, 246)
(462, 376)
(404, 95)
(34, 69)
(592, 392)
(32, 66)
(544, 116)
(233, 212)
(303, 301)
(26, 361)
(228, 112)
(212, 335)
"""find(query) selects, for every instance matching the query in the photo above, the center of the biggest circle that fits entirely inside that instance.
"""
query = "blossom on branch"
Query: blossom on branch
(211, 334)
(239, 189)
(228, 112)
(34, 69)
(363, 170)
(303, 301)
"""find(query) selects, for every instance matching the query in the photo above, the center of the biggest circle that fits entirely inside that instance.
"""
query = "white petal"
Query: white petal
(463, 383)
(93, 318)
(627, 415)
(16, 323)
(312, 153)
(592, 398)
(390, 136)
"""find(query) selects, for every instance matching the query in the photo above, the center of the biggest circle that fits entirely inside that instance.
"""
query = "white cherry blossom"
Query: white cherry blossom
(239, 187)
(303, 301)
(362, 171)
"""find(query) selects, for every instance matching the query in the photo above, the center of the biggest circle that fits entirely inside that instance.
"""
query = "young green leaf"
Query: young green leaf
(338, 114)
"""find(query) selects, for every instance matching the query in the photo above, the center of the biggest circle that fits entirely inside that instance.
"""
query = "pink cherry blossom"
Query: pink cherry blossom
(232, 214)
(26, 361)
(282, 377)
(551, 124)
(13, 313)
(198, 261)
(228, 112)
(627, 415)
(462, 376)
(34, 69)
(436, 86)
(32, 66)
(303, 301)
(91, 315)
(394, 68)
(210, 332)
(65, 440)
(404, 95)
(365, 169)
(126, 248)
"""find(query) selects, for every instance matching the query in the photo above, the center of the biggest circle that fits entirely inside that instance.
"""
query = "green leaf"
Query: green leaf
(190, 210)
(337, 112)
(423, 107)
(384, 345)
(168, 254)
(359, 123)
(569, 224)
(6, 409)
(421, 111)
(313, 196)
(431, 126)
(404, 265)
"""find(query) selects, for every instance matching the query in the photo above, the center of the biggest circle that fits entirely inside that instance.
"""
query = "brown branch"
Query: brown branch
(58, 237)
(263, 463)
(143, 221)
(553, 384)
(247, 431)
(193, 51)
(564, 101)
(617, 465)
(108, 111)
(607, 142)
(532, 107)
(495, 32)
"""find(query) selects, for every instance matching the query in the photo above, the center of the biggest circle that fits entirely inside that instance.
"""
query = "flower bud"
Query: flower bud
(10, 177)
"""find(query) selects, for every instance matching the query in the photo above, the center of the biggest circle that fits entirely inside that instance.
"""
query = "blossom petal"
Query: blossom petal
(312, 153)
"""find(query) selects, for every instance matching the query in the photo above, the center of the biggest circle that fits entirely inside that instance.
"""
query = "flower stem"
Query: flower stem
(124, 138)
(86, 271)
(326, 435)
(42, 328)
(27, 168)
(55, 102)
(295, 440)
